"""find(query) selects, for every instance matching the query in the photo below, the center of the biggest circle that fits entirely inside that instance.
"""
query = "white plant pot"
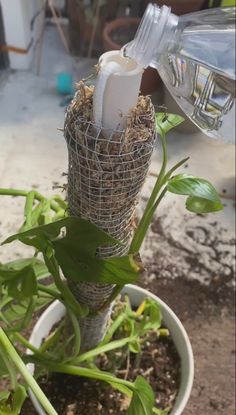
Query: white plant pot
(56, 311)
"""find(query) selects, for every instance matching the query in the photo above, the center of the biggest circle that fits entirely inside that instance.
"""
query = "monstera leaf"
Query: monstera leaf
(74, 242)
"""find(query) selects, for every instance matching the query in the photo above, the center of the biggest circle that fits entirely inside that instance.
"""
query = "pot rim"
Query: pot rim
(178, 333)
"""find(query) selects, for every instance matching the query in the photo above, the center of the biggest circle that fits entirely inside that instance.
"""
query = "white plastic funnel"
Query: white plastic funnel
(116, 90)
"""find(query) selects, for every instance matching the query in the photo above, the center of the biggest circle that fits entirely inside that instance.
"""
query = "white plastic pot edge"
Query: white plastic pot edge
(56, 311)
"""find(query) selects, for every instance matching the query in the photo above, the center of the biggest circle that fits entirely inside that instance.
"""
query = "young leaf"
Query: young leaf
(203, 197)
(165, 122)
(11, 402)
(152, 317)
(135, 346)
(15, 313)
(20, 282)
(143, 398)
(39, 267)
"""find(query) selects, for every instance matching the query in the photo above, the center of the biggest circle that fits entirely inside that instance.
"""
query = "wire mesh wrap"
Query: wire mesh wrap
(105, 175)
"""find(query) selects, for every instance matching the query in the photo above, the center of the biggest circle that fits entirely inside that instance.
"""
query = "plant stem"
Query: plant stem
(116, 291)
(28, 209)
(13, 192)
(60, 215)
(50, 291)
(89, 373)
(149, 211)
(77, 335)
(144, 223)
(116, 344)
(175, 167)
(19, 337)
(147, 216)
(153, 209)
(19, 192)
(112, 329)
(10, 351)
(25, 342)
(69, 299)
(10, 368)
(52, 338)
(28, 313)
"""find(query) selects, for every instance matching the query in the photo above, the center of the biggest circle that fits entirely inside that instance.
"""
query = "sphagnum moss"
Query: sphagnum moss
(106, 172)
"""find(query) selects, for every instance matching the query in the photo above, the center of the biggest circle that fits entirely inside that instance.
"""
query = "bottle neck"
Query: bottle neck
(152, 37)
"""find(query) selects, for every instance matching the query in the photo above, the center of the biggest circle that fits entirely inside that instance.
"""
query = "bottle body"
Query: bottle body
(195, 57)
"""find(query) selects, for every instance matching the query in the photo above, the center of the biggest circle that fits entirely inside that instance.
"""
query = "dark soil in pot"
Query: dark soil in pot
(70, 395)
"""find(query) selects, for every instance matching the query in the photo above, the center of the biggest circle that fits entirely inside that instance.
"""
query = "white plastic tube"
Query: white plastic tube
(116, 91)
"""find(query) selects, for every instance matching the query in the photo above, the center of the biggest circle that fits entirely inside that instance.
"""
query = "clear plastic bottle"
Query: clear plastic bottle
(195, 56)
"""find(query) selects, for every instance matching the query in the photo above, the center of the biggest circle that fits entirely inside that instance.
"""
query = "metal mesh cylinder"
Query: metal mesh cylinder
(105, 175)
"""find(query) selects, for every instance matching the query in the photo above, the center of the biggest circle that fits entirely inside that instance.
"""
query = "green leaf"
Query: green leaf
(135, 346)
(40, 268)
(3, 369)
(152, 316)
(76, 255)
(19, 280)
(80, 264)
(203, 198)
(11, 402)
(75, 242)
(16, 314)
(15, 321)
(81, 232)
(165, 122)
(200, 205)
(143, 398)
(19, 277)
(120, 270)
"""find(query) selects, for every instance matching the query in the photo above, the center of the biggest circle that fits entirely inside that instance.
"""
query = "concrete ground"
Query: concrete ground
(190, 258)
